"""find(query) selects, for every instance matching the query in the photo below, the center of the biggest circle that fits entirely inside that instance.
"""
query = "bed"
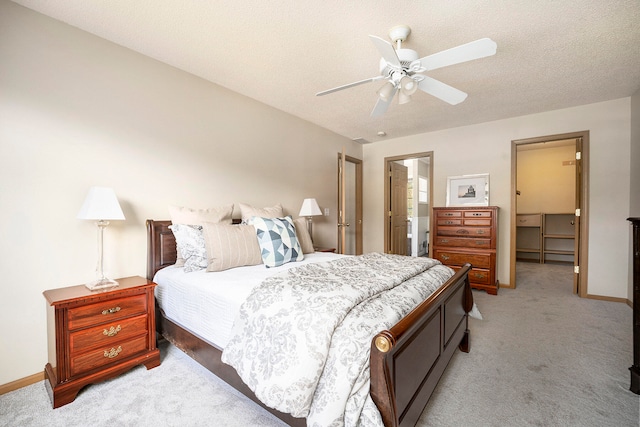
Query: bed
(405, 362)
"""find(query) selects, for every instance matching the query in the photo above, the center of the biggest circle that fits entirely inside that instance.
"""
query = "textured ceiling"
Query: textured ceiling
(551, 53)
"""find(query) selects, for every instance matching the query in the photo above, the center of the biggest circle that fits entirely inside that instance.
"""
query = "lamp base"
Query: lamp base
(103, 283)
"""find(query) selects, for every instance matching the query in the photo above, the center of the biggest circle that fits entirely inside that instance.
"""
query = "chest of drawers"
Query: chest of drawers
(96, 335)
(468, 234)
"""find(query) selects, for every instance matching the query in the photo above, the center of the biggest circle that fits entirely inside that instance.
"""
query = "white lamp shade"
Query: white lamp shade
(408, 85)
(101, 203)
(386, 91)
(403, 98)
(310, 208)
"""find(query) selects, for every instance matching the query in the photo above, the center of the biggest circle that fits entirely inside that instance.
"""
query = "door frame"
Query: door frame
(583, 192)
(387, 192)
(358, 185)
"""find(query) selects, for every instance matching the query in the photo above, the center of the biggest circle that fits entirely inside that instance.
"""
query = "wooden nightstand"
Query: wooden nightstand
(96, 335)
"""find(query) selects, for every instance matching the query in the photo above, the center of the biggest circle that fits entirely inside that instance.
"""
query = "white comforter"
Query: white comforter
(302, 338)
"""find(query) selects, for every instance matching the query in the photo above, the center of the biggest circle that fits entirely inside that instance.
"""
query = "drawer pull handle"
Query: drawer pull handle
(480, 276)
(445, 257)
(462, 232)
(448, 214)
(479, 242)
(448, 222)
(112, 331)
(111, 310)
(476, 214)
(444, 240)
(480, 231)
(114, 352)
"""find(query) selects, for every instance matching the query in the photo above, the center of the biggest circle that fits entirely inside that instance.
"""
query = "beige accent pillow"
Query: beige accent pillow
(248, 211)
(189, 216)
(230, 246)
(303, 235)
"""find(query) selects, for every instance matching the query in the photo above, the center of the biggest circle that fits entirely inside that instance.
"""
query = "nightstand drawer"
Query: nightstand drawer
(106, 311)
(477, 260)
(107, 333)
(463, 242)
(107, 354)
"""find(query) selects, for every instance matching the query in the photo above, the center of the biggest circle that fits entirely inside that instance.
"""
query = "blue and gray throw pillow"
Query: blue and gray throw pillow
(278, 241)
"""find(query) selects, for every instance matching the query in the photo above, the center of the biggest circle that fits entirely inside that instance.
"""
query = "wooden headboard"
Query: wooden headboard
(161, 247)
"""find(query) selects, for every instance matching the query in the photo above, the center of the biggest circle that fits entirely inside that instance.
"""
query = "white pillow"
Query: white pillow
(190, 243)
(248, 211)
(189, 216)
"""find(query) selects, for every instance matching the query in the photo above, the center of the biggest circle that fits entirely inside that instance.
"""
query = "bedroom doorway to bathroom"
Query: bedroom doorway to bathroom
(408, 185)
(549, 209)
(349, 205)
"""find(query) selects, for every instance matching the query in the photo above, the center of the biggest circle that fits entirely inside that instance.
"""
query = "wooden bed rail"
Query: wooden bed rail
(405, 365)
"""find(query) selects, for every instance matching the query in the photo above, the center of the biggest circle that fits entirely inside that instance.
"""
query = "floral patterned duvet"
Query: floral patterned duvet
(302, 338)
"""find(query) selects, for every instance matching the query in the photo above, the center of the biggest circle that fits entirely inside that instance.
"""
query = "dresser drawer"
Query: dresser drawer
(478, 275)
(528, 220)
(107, 333)
(462, 231)
(448, 214)
(477, 214)
(463, 242)
(106, 311)
(477, 260)
(107, 354)
(449, 221)
(477, 221)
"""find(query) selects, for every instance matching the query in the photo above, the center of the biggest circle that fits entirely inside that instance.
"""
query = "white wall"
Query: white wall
(486, 148)
(77, 111)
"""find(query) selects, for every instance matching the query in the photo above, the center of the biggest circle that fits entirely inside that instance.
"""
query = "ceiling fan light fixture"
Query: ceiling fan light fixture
(403, 98)
(408, 86)
(386, 91)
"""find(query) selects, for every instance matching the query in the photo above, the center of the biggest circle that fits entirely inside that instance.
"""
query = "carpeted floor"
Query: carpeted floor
(540, 357)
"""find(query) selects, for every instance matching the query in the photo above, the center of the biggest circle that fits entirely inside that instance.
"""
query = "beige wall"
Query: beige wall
(486, 148)
(545, 184)
(77, 111)
(634, 196)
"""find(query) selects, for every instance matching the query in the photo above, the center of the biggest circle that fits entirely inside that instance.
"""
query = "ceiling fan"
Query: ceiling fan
(401, 69)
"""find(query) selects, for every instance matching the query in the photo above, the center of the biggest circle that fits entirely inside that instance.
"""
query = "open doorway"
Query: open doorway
(349, 205)
(548, 216)
(408, 188)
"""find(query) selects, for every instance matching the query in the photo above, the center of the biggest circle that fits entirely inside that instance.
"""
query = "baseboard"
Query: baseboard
(23, 382)
(603, 298)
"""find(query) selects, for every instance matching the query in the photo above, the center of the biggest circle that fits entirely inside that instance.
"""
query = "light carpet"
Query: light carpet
(541, 357)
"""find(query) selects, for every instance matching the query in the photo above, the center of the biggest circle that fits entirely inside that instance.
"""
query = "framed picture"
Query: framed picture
(468, 190)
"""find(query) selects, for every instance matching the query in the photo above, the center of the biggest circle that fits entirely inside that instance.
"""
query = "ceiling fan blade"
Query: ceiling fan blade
(443, 91)
(335, 89)
(466, 52)
(381, 106)
(386, 50)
